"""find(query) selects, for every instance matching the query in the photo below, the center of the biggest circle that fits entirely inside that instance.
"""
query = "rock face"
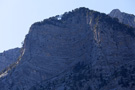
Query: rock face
(8, 57)
(125, 18)
(80, 50)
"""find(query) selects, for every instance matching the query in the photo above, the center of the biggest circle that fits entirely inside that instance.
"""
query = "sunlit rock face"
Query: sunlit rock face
(8, 57)
(128, 19)
(83, 50)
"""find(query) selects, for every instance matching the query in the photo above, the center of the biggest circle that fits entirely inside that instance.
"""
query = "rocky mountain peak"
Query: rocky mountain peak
(79, 50)
(115, 12)
(128, 19)
(60, 19)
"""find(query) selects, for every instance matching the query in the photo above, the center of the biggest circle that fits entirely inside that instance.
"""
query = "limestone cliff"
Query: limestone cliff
(80, 50)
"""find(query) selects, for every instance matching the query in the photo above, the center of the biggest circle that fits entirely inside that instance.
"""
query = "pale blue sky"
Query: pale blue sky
(16, 16)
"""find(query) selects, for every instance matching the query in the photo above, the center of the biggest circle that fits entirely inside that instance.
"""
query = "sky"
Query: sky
(16, 16)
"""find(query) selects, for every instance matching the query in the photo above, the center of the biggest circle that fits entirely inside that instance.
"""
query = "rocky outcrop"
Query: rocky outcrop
(125, 18)
(9, 57)
(111, 63)
(80, 50)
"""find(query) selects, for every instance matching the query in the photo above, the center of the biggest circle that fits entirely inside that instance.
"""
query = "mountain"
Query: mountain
(79, 50)
(8, 57)
(125, 18)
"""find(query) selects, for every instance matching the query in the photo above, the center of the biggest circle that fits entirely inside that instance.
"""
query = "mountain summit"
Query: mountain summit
(128, 19)
(79, 50)
(115, 12)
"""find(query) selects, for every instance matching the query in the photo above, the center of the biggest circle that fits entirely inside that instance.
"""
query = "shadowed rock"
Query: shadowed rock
(83, 50)
(9, 57)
